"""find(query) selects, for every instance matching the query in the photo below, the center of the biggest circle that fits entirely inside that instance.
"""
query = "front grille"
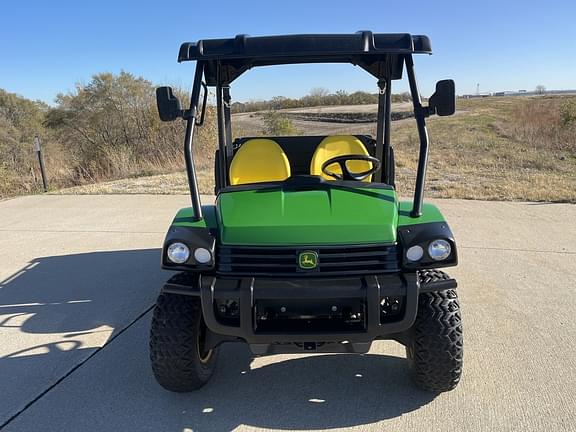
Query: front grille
(283, 261)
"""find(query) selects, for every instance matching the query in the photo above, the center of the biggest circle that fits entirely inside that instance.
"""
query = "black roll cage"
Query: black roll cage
(220, 61)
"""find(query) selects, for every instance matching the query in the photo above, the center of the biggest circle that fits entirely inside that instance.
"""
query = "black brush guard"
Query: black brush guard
(249, 292)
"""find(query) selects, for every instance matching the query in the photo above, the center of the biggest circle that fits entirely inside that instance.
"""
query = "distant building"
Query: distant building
(513, 93)
(477, 95)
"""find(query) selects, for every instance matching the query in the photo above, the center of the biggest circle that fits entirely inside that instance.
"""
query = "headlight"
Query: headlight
(439, 250)
(178, 253)
(414, 253)
(202, 256)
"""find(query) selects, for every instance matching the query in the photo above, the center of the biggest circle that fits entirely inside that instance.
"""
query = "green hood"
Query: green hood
(334, 215)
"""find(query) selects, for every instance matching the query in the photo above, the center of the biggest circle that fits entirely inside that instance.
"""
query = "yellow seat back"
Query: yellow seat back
(339, 145)
(259, 160)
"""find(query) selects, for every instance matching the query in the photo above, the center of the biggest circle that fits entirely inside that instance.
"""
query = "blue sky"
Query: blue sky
(48, 46)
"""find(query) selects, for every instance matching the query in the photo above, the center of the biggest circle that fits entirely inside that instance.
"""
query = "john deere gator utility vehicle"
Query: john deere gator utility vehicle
(308, 248)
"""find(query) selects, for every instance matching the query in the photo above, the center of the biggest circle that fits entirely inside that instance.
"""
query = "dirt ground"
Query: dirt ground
(250, 123)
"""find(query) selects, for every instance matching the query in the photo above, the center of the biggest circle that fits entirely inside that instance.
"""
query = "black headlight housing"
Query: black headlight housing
(193, 238)
(422, 235)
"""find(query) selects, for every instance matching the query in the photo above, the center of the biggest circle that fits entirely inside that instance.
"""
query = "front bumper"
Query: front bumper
(250, 294)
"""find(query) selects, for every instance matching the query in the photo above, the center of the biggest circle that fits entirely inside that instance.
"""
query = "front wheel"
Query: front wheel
(435, 349)
(180, 361)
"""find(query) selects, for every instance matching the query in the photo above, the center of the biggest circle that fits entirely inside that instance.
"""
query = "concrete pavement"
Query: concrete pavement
(80, 273)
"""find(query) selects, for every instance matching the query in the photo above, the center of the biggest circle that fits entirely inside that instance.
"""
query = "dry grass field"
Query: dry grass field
(499, 148)
(496, 149)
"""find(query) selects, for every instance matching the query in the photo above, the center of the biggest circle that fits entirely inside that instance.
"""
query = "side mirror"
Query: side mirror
(169, 106)
(443, 101)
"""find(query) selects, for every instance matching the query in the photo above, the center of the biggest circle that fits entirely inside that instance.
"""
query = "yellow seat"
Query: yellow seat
(259, 160)
(339, 145)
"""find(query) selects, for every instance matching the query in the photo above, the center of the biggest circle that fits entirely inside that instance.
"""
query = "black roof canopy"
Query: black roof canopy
(381, 54)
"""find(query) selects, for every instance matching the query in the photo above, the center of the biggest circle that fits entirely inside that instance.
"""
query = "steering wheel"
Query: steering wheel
(346, 173)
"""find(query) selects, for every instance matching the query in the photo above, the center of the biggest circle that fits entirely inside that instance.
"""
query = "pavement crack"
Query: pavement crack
(75, 368)
(517, 250)
(81, 231)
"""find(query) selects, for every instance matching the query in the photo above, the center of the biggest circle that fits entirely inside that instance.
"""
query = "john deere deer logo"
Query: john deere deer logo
(308, 260)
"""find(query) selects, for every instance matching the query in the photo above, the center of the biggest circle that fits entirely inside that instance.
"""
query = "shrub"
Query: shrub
(568, 113)
(278, 124)
(106, 129)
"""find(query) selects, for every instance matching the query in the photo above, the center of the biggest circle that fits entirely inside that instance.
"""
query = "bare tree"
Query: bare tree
(319, 92)
(540, 89)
